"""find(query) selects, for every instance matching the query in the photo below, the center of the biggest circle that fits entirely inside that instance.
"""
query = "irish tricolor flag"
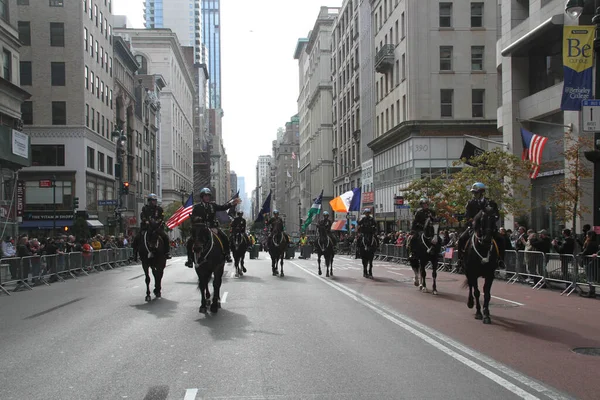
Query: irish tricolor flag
(349, 201)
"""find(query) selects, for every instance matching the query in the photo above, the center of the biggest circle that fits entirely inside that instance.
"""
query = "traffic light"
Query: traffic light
(66, 229)
(125, 188)
(75, 203)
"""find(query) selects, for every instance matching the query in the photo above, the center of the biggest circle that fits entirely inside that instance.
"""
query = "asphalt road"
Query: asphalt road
(298, 337)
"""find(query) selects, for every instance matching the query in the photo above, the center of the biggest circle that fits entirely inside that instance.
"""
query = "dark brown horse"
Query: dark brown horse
(323, 245)
(239, 246)
(208, 261)
(151, 251)
(278, 244)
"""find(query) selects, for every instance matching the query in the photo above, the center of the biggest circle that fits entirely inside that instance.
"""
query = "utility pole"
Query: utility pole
(54, 205)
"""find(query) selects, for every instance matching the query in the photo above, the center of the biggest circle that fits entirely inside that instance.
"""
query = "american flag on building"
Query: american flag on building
(533, 147)
(182, 213)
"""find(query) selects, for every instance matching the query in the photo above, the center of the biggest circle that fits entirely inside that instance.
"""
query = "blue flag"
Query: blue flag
(266, 208)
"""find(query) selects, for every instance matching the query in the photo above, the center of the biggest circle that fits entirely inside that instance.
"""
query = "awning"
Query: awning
(521, 46)
(45, 224)
(340, 225)
(94, 223)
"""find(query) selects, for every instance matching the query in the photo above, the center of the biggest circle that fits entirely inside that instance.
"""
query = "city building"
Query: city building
(286, 188)
(530, 64)
(233, 183)
(67, 65)
(263, 181)
(246, 205)
(181, 16)
(314, 55)
(159, 53)
(15, 146)
(211, 38)
(435, 81)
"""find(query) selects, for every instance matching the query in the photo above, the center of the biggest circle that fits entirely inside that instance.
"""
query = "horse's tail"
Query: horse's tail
(465, 283)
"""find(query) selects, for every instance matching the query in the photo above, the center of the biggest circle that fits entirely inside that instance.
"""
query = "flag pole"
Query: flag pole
(507, 145)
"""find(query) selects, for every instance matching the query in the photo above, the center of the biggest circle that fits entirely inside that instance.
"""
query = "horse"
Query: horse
(239, 246)
(152, 255)
(368, 245)
(277, 248)
(324, 247)
(426, 251)
(481, 260)
(208, 244)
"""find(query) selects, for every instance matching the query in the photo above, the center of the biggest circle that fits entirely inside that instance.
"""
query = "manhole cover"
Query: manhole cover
(588, 351)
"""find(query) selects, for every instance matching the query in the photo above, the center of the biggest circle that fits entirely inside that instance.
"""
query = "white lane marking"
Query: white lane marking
(395, 273)
(190, 394)
(232, 275)
(404, 321)
(224, 298)
(508, 301)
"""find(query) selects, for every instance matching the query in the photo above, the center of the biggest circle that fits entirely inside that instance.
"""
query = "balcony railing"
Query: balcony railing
(384, 60)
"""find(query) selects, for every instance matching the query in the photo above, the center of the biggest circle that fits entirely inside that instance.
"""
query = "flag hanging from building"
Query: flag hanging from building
(293, 155)
(288, 174)
(182, 213)
(266, 208)
(470, 151)
(349, 201)
(578, 60)
(314, 210)
(533, 147)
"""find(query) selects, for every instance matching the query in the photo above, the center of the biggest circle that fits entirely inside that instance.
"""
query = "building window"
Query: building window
(97, 87)
(57, 73)
(98, 121)
(477, 102)
(109, 165)
(101, 56)
(477, 58)
(101, 22)
(93, 124)
(48, 155)
(446, 100)
(90, 158)
(111, 102)
(56, 3)
(403, 66)
(91, 45)
(96, 13)
(100, 162)
(102, 131)
(445, 15)
(110, 66)
(87, 77)
(92, 81)
(4, 14)
(102, 91)
(22, 2)
(85, 40)
(26, 76)
(59, 113)
(445, 58)
(96, 50)
(27, 112)
(7, 65)
(87, 115)
(476, 15)
(57, 34)
(105, 28)
(25, 32)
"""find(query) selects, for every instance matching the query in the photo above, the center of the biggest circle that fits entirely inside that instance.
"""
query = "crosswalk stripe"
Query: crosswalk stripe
(190, 394)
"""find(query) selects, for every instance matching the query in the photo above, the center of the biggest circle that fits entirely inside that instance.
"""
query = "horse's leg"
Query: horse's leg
(157, 273)
(423, 271)
(202, 283)
(147, 273)
(319, 262)
(282, 274)
(487, 295)
(242, 260)
(414, 264)
(365, 263)
(477, 293)
(371, 264)
(434, 267)
(217, 281)
(331, 263)
(236, 264)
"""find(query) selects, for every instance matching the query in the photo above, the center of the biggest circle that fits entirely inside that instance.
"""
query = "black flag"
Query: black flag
(231, 211)
(470, 151)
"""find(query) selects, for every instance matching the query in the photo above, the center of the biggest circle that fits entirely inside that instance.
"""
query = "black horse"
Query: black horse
(324, 247)
(277, 247)
(481, 260)
(239, 246)
(427, 247)
(152, 255)
(208, 260)
(367, 245)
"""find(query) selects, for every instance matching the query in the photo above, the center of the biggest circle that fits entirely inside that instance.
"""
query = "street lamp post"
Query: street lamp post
(574, 8)
(54, 205)
(299, 216)
(121, 146)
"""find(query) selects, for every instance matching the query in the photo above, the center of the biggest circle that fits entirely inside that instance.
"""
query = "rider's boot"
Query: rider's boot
(190, 254)
(226, 246)
(134, 257)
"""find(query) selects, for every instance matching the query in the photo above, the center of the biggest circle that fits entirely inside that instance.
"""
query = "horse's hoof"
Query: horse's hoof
(327, 274)
(219, 304)
(148, 298)
(487, 320)
(434, 292)
(416, 282)
(202, 310)
(274, 273)
(281, 274)
(331, 274)
(478, 315)
(365, 275)
(214, 308)
(470, 303)
(244, 270)
(320, 273)
(157, 294)
(208, 302)
(237, 274)
(424, 289)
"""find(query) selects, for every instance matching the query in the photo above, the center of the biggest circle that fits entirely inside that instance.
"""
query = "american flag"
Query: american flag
(182, 213)
(533, 147)
(293, 155)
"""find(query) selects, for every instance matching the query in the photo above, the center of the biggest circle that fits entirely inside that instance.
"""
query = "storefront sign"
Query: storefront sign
(20, 144)
(20, 198)
(45, 215)
(368, 197)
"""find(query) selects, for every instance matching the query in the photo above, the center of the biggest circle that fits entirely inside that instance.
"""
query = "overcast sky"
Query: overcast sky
(259, 73)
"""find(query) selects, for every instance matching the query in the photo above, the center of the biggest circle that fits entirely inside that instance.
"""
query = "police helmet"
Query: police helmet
(240, 213)
(275, 212)
(325, 213)
(478, 187)
(367, 211)
(205, 191)
(424, 200)
(151, 197)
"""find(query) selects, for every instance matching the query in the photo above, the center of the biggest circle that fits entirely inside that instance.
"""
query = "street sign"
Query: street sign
(45, 183)
(108, 202)
(590, 115)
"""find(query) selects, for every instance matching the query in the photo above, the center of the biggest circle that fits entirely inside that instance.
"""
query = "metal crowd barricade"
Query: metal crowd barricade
(531, 264)
(13, 273)
(590, 272)
(561, 268)
(510, 262)
(76, 263)
(35, 266)
(52, 266)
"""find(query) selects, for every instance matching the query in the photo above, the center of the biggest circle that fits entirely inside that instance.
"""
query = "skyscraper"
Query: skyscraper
(181, 16)
(211, 38)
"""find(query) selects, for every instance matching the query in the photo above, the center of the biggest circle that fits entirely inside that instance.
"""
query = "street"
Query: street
(298, 337)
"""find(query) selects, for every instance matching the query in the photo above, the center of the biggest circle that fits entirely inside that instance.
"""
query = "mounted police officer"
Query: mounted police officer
(478, 203)
(275, 225)
(367, 225)
(325, 224)
(239, 225)
(418, 224)
(152, 212)
(205, 212)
